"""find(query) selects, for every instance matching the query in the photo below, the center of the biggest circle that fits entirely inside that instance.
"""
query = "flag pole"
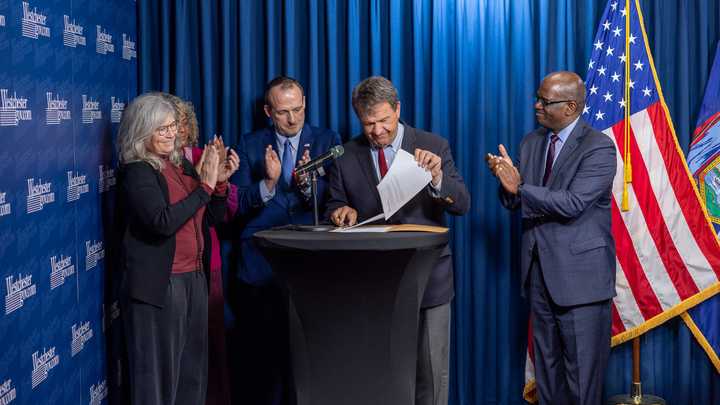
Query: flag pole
(636, 396)
(627, 179)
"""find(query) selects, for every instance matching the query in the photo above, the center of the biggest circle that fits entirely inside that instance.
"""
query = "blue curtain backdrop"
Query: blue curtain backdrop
(466, 69)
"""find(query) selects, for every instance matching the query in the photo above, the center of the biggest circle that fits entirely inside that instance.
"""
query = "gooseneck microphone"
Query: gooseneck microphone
(333, 153)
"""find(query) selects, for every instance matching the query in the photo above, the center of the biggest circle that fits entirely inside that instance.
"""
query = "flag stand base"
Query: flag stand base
(636, 397)
(628, 400)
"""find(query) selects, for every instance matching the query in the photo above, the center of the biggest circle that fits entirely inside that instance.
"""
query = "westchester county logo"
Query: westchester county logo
(98, 392)
(7, 392)
(56, 111)
(39, 194)
(90, 110)
(80, 335)
(116, 110)
(77, 186)
(13, 109)
(129, 50)
(104, 42)
(93, 252)
(34, 24)
(17, 290)
(72, 33)
(42, 364)
(60, 269)
(5, 209)
(106, 179)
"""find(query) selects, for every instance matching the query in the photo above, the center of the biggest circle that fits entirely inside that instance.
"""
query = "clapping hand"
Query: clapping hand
(227, 158)
(209, 165)
(219, 148)
(302, 180)
(273, 167)
(229, 166)
(504, 169)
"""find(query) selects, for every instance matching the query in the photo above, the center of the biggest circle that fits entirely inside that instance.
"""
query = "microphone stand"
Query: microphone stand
(313, 190)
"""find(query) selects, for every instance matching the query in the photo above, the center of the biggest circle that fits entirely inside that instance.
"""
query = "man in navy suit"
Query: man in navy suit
(563, 187)
(354, 197)
(269, 196)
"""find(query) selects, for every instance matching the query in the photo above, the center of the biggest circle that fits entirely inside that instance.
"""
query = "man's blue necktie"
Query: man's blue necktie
(287, 163)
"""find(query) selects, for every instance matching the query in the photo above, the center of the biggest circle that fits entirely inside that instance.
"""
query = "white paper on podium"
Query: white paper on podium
(354, 228)
(402, 182)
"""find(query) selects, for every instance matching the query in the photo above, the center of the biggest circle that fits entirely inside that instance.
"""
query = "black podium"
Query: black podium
(354, 305)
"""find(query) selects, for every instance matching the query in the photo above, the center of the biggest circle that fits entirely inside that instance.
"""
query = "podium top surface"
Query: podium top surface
(315, 241)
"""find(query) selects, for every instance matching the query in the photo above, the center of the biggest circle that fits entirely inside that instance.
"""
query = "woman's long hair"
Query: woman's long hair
(186, 109)
(139, 121)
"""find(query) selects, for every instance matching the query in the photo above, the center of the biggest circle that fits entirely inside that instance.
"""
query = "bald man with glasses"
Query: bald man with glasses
(563, 187)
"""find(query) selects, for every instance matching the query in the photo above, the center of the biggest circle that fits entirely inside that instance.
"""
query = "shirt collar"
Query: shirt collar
(565, 132)
(294, 140)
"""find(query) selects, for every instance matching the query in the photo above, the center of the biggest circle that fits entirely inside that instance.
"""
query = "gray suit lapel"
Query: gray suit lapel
(541, 153)
(364, 158)
(409, 138)
(571, 144)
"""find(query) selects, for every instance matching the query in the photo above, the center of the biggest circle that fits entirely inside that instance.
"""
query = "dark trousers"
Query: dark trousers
(218, 378)
(571, 345)
(259, 345)
(431, 384)
(167, 347)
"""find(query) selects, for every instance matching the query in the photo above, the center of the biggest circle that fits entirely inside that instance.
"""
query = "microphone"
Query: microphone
(315, 164)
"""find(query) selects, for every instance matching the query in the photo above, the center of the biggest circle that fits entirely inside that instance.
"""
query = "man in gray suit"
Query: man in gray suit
(563, 187)
(354, 197)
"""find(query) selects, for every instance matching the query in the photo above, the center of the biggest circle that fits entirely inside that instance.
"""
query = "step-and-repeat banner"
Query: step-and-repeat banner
(68, 68)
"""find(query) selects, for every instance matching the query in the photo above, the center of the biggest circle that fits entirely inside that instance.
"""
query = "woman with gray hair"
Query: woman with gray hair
(167, 209)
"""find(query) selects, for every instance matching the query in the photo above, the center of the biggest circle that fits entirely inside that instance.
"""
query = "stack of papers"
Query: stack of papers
(401, 183)
(392, 228)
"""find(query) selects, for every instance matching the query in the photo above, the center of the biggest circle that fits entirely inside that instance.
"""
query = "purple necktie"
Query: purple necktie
(550, 158)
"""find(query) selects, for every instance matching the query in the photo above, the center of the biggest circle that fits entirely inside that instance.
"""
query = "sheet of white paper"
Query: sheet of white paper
(367, 221)
(364, 229)
(402, 182)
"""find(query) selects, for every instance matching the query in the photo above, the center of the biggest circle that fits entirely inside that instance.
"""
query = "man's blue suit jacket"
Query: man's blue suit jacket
(569, 220)
(288, 206)
(353, 182)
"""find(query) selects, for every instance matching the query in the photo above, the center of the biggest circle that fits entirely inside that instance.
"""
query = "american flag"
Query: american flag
(667, 254)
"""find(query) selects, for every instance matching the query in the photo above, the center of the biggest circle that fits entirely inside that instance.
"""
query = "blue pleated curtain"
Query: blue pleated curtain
(466, 69)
